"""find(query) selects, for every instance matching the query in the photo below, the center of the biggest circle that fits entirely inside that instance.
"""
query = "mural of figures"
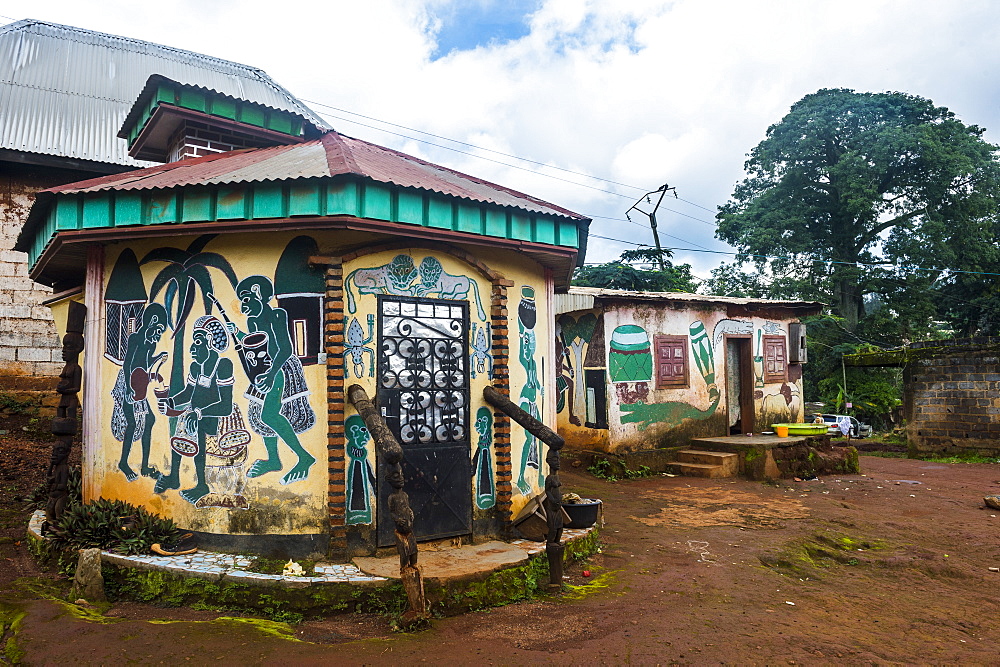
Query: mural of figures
(786, 401)
(132, 419)
(565, 381)
(574, 335)
(532, 392)
(482, 460)
(673, 412)
(299, 289)
(398, 276)
(207, 398)
(360, 478)
(481, 357)
(357, 348)
(278, 396)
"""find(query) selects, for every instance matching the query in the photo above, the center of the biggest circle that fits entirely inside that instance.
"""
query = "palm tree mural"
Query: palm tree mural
(184, 276)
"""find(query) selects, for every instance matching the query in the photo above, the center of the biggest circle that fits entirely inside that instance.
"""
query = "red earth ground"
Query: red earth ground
(888, 566)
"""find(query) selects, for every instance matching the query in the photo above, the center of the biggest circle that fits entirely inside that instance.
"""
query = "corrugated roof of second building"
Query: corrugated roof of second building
(65, 91)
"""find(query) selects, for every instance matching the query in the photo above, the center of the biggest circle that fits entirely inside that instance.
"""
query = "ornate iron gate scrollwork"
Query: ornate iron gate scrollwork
(423, 395)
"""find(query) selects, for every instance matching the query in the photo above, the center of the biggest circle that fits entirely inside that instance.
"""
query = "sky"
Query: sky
(588, 104)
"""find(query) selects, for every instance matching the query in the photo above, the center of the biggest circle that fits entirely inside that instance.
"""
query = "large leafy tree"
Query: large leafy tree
(850, 191)
(639, 270)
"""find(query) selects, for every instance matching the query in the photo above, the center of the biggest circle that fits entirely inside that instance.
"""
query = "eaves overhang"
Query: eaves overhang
(61, 224)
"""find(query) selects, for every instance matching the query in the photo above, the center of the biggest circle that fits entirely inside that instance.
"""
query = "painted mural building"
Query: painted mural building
(644, 370)
(233, 298)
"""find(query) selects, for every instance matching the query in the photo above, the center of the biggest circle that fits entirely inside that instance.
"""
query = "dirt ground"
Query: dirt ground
(888, 566)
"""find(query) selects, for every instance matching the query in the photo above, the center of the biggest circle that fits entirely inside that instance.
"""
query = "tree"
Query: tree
(622, 274)
(850, 191)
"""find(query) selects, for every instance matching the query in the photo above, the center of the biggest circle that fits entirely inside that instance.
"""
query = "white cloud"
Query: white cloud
(642, 92)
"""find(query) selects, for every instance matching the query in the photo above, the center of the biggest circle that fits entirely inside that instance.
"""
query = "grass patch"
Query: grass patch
(611, 471)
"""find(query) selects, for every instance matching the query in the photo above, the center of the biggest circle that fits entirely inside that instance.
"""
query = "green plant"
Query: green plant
(606, 470)
(39, 496)
(10, 403)
(112, 525)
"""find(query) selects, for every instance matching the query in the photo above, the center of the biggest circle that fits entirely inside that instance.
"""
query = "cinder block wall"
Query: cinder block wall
(29, 345)
(952, 397)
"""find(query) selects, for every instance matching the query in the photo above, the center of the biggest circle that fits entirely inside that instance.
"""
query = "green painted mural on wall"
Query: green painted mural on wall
(360, 477)
(482, 460)
(630, 359)
(402, 278)
(574, 336)
(532, 392)
(205, 423)
(674, 412)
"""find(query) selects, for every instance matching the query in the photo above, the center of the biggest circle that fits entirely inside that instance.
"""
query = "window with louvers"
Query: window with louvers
(775, 359)
(671, 361)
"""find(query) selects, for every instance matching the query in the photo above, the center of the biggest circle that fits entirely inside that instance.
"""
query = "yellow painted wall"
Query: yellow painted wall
(523, 272)
(298, 507)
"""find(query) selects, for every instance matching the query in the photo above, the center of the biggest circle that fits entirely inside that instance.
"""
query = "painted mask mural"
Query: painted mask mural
(402, 278)
(360, 477)
(482, 460)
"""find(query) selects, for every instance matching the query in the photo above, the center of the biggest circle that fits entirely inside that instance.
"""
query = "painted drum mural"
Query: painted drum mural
(209, 379)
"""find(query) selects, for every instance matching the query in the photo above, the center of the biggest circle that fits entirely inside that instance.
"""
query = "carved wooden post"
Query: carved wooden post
(553, 496)
(64, 426)
(391, 455)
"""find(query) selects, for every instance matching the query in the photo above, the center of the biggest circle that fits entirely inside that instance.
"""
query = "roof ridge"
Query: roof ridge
(474, 179)
(339, 159)
(24, 23)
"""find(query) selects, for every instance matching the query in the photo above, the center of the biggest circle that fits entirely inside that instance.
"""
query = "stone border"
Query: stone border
(229, 567)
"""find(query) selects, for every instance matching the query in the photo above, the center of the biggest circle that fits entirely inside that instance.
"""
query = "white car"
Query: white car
(858, 430)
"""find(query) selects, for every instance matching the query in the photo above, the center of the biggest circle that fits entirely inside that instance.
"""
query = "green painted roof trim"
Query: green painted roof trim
(216, 104)
(299, 198)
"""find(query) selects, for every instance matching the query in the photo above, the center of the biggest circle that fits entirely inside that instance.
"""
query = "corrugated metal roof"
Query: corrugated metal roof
(65, 91)
(586, 298)
(331, 155)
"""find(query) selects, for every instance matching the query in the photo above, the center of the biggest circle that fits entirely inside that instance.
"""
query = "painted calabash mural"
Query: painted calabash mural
(630, 359)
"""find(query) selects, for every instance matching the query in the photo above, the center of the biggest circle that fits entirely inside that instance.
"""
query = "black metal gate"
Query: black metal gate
(423, 395)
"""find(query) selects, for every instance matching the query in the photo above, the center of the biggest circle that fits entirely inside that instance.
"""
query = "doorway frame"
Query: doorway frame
(745, 353)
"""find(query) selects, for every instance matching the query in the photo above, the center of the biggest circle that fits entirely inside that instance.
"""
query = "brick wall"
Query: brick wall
(195, 139)
(29, 345)
(952, 396)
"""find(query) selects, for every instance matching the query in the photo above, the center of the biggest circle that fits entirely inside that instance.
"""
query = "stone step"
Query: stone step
(702, 470)
(704, 456)
(703, 463)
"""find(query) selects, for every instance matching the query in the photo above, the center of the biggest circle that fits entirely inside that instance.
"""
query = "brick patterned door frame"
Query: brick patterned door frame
(334, 330)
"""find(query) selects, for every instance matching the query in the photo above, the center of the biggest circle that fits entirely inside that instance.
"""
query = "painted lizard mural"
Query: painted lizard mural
(402, 278)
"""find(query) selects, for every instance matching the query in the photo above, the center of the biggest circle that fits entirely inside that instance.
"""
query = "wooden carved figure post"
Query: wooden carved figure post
(554, 547)
(390, 453)
(64, 426)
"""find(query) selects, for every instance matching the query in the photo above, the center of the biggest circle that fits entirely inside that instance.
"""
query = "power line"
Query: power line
(464, 143)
